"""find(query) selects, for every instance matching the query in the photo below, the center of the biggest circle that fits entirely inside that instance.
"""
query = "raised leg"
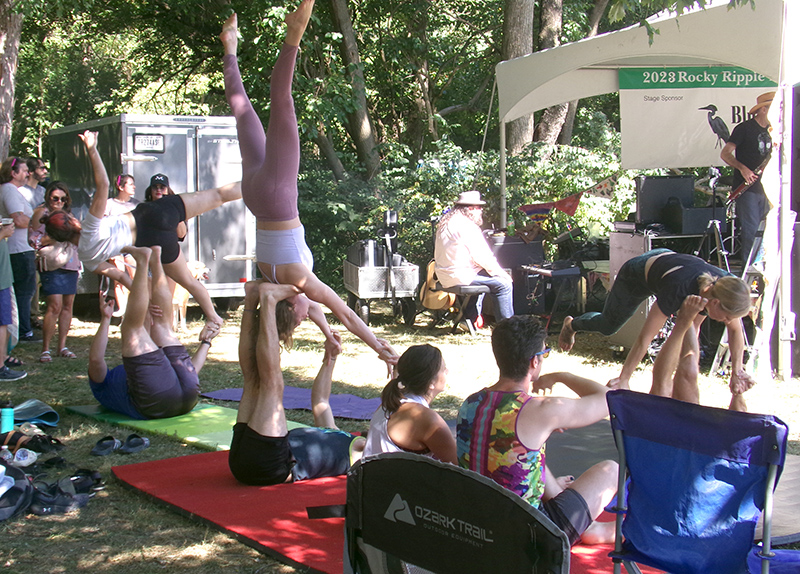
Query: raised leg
(161, 330)
(179, 272)
(135, 338)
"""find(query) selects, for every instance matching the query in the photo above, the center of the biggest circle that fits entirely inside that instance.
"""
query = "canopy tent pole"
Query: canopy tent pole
(503, 206)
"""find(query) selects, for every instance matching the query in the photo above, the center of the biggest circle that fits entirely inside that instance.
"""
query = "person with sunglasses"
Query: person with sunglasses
(503, 429)
(59, 283)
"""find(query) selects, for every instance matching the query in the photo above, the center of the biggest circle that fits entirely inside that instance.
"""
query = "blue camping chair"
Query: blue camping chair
(408, 513)
(698, 481)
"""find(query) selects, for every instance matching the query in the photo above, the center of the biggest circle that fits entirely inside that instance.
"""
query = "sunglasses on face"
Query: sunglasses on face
(61, 198)
(543, 353)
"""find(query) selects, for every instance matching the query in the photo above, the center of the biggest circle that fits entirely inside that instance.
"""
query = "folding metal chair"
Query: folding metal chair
(698, 481)
(407, 512)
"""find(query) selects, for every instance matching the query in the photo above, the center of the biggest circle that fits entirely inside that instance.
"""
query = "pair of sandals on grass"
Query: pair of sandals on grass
(46, 357)
(133, 444)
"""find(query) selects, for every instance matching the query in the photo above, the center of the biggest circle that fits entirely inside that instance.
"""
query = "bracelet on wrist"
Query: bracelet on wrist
(205, 342)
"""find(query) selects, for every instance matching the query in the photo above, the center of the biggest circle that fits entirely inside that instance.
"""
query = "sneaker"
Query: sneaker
(30, 337)
(50, 499)
(7, 374)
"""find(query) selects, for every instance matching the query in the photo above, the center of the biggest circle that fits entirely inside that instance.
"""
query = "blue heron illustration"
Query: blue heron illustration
(718, 126)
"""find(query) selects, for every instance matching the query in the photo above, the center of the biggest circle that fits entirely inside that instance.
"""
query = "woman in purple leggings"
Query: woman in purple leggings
(270, 166)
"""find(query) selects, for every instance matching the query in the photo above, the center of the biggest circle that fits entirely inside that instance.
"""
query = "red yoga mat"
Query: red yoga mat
(273, 519)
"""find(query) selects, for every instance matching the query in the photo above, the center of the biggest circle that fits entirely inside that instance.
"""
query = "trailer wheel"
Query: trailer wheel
(409, 310)
(362, 310)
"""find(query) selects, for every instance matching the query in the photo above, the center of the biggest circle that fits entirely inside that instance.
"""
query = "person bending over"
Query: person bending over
(263, 450)
(670, 277)
(675, 370)
(157, 378)
(270, 167)
(100, 238)
(405, 421)
(502, 432)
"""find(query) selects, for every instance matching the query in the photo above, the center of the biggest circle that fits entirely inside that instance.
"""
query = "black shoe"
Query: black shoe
(30, 337)
(51, 499)
(7, 374)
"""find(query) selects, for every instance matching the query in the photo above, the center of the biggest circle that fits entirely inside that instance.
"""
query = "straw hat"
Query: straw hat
(764, 100)
(470, 198)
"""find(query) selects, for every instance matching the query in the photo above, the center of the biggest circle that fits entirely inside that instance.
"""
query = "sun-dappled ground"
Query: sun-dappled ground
(122, 531)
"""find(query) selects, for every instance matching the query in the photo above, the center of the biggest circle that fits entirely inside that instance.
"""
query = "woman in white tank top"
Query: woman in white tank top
(405, 422)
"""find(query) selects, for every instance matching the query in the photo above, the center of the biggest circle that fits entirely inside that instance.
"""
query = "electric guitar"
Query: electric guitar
(744, 186)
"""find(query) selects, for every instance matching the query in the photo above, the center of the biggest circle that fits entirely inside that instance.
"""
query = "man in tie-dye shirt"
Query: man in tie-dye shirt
(502, 431)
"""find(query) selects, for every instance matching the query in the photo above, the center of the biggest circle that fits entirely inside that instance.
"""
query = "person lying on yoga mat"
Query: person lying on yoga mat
(157, 378)
(675, 369)
(263, 450)
(270, 167)
(670, 277)
(502, 433)
(405, 421)
(100, 238)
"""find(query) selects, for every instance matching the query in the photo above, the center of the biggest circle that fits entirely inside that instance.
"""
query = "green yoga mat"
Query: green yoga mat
(206, 426)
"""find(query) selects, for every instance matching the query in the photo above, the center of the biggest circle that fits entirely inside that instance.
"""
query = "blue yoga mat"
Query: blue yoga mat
(35, 412)
(343, 405)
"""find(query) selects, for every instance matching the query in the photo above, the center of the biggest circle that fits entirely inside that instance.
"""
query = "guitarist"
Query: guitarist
(749, 146)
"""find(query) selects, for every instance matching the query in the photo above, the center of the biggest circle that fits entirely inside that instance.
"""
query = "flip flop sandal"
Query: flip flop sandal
(45, 357)
(86, 481)
(67, 354)
(106, 446)
(13, 362)
(134, 443)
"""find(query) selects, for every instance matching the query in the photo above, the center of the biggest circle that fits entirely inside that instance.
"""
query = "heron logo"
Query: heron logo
(399, 511)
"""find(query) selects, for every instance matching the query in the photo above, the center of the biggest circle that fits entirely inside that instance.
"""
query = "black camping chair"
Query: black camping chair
(408, 513)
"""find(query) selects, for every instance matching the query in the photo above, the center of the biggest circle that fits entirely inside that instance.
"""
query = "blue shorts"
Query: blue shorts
(6, 315)
(59, 282)
(112, 393)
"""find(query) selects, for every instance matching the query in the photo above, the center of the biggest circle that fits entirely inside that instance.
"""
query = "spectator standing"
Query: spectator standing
(13, 205)
(6, 312)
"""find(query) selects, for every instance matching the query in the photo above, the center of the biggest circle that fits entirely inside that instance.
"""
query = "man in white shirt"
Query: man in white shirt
(33, 191)
(463, 257)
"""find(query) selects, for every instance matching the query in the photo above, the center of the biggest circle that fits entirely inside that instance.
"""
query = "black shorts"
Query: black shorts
(157, 224)
(570, 513)
(259, 460)
(162, 383)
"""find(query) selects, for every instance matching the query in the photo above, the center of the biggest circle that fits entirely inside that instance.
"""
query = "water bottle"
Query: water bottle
(7, 417)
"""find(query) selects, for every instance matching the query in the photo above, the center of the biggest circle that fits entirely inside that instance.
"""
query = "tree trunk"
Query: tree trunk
(359, 125)
(325, 145)
(565, 137)
(549, 37)
(518, 41)
(10, 31)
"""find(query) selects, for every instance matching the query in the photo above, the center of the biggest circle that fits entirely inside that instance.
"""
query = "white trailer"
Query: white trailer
(196, 153)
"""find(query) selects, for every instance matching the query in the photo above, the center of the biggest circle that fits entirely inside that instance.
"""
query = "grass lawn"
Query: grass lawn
(122, 531)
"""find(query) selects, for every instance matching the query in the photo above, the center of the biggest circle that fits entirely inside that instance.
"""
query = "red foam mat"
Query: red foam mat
(273, 519)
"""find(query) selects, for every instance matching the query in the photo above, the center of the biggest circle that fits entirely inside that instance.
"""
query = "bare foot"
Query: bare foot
(566, 339)
(599, 533)
(229, 39)
(277, 291)
(738, 403)
(297, 21)
(140, 254)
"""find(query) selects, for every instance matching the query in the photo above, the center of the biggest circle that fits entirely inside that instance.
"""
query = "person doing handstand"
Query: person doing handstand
(157, 378)
(263, 450)
(100, 238)
(270, 167)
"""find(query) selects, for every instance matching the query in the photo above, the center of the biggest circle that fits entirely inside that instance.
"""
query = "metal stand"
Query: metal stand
(714, 230)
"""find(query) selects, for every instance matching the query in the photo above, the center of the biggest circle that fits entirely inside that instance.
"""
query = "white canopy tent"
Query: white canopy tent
(764, 39)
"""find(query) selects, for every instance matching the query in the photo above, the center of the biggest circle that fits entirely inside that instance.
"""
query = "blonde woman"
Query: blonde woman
(670, 277)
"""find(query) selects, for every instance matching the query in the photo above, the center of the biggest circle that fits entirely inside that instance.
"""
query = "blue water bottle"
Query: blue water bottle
(7, 417)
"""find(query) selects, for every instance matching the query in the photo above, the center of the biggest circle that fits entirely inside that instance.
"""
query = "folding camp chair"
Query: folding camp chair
(699, 478)
(407, 512)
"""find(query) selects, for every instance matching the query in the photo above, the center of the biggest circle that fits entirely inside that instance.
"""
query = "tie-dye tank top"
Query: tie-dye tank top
(487, 443)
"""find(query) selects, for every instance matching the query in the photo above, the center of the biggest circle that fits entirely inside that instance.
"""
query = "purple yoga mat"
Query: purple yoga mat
(344, 405)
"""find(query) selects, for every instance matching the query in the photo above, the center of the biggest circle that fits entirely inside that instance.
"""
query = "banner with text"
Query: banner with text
(682, 117)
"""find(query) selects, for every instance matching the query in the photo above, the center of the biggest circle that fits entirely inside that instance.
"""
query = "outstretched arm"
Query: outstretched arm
(321, 389)
(97, 352)
(317, 315)
(100, 198)
(201, 354)
(318, 291)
